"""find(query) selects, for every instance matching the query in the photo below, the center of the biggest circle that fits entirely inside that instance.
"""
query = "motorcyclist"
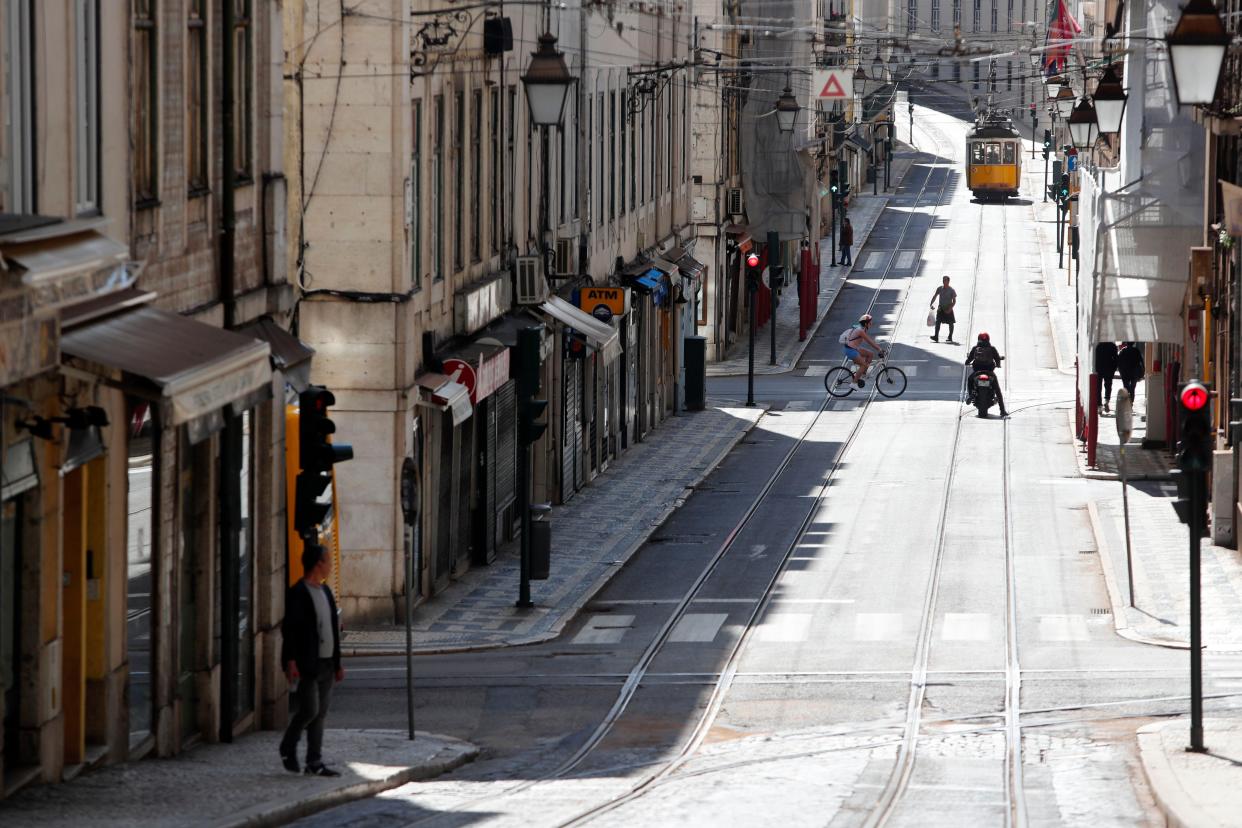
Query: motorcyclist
(984, 357)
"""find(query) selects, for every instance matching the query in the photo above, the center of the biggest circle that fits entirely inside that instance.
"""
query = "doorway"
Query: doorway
(10, 627)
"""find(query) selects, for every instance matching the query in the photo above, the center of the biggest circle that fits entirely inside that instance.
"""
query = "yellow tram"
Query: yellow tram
(993, 159)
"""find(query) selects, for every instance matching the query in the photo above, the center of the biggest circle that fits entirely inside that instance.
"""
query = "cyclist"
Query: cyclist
(984, 357)
(853, 340)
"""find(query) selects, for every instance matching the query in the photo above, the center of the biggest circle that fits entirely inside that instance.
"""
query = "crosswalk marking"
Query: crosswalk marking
(874, 260)
(966, 626)
(905, 259)
(877, 626)
(605, 628)
(785, 627)
(1063, 628)
(816, 371)
(697, 627)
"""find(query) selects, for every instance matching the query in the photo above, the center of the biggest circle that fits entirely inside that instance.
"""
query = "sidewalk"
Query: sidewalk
(592, 537)
(865, 211)
(238, 784)
(1194, 790)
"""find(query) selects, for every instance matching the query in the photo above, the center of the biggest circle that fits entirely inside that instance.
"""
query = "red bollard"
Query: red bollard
(1093, 419)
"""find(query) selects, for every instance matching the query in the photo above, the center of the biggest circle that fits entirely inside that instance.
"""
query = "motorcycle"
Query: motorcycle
(985, 393)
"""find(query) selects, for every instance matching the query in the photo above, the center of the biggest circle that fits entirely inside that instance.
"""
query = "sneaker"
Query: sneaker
(1004, 413)
(290, 762)
(950, 341)
(935, 339)
(320, 770)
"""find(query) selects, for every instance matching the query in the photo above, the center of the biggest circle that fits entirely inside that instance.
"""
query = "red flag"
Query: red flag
(1062, 29)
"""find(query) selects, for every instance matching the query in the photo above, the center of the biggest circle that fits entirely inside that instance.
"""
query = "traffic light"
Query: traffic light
(752, 272)
(316, 457)
(529, 408)
(1198, 440)
(1063, 191)
(834, 185)
(1047, 142)
(845, 188)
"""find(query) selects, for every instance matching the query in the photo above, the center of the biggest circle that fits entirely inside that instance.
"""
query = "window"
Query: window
(196, 102)
(1009, 19)
(912, 15)
(993, 153)
(459, 173)
(243, 68)
(976, 153)
(145, 131)
(957, 13)
(625, 128)
(612, 154)
(1008, 76)
(685, 131)
(646, 152)
(1009, 151)
(437, 191)
(977, 16)
(668, 136)
(995, 3)
(510, 186)
(935, 15)
(562, 173)
(634, 116)
(602, 184)
(476, 176)
(497, 179)
(86, 105)
(141, 446)
(416, 198)
(975, 72)
(957, 70)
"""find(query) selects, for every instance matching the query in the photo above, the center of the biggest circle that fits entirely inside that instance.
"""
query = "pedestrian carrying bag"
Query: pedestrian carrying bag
(845, 335)
(931, 318)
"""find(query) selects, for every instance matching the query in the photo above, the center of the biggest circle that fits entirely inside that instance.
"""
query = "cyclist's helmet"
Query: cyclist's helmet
(864, 320)
(983, 336)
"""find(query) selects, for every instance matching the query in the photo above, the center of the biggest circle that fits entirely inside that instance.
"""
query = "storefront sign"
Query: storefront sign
(476, 306)
(482, 378)
(604, 302)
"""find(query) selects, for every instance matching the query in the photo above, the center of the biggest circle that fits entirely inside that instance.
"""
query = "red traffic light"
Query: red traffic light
(1194, 396)
(753, 260)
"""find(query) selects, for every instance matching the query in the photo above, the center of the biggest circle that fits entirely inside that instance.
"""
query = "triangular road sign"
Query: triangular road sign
(832, 89)
(832, 84)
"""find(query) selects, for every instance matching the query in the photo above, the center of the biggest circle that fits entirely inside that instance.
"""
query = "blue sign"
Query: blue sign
(1073, 162)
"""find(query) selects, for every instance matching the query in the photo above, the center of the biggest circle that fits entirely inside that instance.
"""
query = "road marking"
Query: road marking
(697, 627)
(801, 405)
(637, 601)
(1063, 628)
(873, 260)
(726, 600)
(785, 627)
(966, 626)
(813, 600)
(605, 628)
(910, 370)
(816, 371)
(877, 626)
(905, 259)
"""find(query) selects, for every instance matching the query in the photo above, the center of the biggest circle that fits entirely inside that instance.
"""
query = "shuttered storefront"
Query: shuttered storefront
(505, 465)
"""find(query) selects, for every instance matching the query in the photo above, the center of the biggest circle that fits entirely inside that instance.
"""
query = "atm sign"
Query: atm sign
(604, 302)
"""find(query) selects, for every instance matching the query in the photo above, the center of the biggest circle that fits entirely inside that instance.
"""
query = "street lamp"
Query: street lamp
(1110, 102)
(1065, 102)
(547, 81)
(877, 69)
(860, 82)
(1054, 84)
(1082, 125)
(786, 110)
(1197, 48)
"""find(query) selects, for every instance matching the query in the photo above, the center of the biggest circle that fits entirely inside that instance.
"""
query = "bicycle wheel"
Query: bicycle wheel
(839, 382)
(891, 381)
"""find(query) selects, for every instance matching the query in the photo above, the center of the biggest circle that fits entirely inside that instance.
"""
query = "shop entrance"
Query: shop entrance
(10, 627)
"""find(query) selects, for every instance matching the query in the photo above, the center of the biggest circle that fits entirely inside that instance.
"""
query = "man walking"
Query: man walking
(1105, 367)
(311, 655)
(946, 297)
(1130, 366)
(847, 241)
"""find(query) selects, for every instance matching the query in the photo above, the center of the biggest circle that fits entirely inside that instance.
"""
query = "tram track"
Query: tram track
(635, 676)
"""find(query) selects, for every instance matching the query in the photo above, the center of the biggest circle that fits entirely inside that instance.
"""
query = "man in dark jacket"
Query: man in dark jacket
(847, 241)
(984, 358)
(1130, 366)
(1105, 367)
(311, 656)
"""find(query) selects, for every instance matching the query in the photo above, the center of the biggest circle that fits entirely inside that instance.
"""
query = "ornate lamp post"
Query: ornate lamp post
(786, 110)
(1110, 102)
(1197, 47)
(1083, 125)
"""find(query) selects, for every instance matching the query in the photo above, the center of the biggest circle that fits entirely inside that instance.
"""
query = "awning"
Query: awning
(443, 394)
(600, 336)
(689, 266)
(290, 355)
(192, 368)
(56, 250)
(481, 366)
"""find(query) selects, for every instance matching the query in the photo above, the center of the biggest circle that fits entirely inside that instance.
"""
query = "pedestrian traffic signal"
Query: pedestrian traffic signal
(1198, 440)
(317, 454)
(834, 183)
(529, 409)
(752, 260)
(845, 188)
(1063, 191)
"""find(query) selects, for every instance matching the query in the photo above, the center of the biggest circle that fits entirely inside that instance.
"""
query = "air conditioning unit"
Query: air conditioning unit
(735, 202)
(565, 254)
(532, 288)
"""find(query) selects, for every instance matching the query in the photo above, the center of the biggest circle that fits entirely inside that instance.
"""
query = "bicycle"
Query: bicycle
(890, 380)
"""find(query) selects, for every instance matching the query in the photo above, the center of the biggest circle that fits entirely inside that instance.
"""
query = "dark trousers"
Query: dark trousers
(1106, 388)
(1130, 384)
(845, 255)
(312, 697)
(944, 317)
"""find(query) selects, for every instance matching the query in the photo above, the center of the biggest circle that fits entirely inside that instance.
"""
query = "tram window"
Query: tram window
(1009, 153)
(993, 154)
(976, 153)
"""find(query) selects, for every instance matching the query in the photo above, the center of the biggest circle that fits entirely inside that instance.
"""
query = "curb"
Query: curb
(834, 291)
(1080, 457)
(1043, 272)
(571, 612)
(261, 816)
(1121, 624)
(1178, 807)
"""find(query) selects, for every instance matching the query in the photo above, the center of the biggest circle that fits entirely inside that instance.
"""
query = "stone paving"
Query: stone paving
(592, 537)
(865, 211)
(237, 784)
(1195, 790)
